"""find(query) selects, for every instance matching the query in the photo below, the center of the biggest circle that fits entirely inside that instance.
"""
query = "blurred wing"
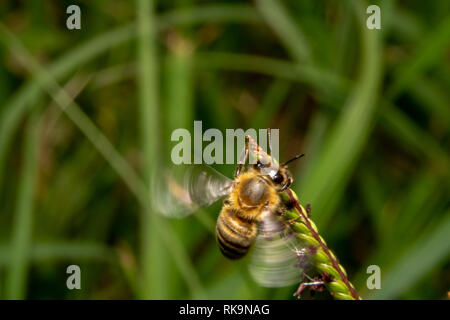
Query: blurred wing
(278, 258)
(180, 192)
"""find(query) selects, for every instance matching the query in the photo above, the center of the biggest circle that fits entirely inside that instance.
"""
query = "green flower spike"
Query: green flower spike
(324, 260)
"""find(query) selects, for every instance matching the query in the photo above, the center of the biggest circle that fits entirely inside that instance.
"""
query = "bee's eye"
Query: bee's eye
(278, 178)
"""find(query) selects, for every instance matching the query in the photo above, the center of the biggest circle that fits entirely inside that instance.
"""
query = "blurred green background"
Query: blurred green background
(86, 117)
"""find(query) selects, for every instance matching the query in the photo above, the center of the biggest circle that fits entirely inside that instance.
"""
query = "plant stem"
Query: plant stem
(153, 257)
(325, 260)
(23, 220)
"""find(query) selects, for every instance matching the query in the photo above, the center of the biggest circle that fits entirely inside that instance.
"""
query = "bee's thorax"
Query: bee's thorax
(251, 195)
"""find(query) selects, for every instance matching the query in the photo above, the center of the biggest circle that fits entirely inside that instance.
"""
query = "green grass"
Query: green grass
(325, 181)
(154, 275)
(22, 230)
(369, 108)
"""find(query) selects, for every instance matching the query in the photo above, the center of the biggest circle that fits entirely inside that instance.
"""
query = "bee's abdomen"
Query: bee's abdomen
(234, 235)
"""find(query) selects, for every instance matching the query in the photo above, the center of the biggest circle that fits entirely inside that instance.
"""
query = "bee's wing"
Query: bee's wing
(178, 193)
(278, 259)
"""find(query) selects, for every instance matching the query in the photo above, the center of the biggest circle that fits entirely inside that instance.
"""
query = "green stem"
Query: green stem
(153, 257)
(23, 220)
(324, 259)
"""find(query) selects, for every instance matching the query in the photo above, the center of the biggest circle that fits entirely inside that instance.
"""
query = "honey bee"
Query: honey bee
(250, 219)
(254, 194)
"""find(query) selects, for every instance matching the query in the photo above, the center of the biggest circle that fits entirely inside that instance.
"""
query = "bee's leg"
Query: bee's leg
(292, 221)
(242, 159)
(280, 211)
(314, 285)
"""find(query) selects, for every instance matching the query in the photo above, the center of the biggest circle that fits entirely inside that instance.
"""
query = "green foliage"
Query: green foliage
(84, 116)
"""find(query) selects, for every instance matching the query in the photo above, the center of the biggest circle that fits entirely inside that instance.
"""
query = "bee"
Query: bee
(250, 218)
(254, 194)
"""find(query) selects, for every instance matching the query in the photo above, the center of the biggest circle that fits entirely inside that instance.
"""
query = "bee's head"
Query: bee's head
(279, 174)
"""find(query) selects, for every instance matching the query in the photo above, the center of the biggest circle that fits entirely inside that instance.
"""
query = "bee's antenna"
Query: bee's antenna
(294, 158)
(269, 133)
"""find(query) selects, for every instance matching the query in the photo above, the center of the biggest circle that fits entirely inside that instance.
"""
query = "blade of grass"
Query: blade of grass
(23, 219)
(113, 75)
(179, 113)
(179, 86)
(154, 262)
(344, 31)
(285, 28)
(316, 133)
(182, 260)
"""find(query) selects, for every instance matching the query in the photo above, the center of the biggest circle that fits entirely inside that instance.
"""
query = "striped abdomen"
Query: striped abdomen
(234, 235)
